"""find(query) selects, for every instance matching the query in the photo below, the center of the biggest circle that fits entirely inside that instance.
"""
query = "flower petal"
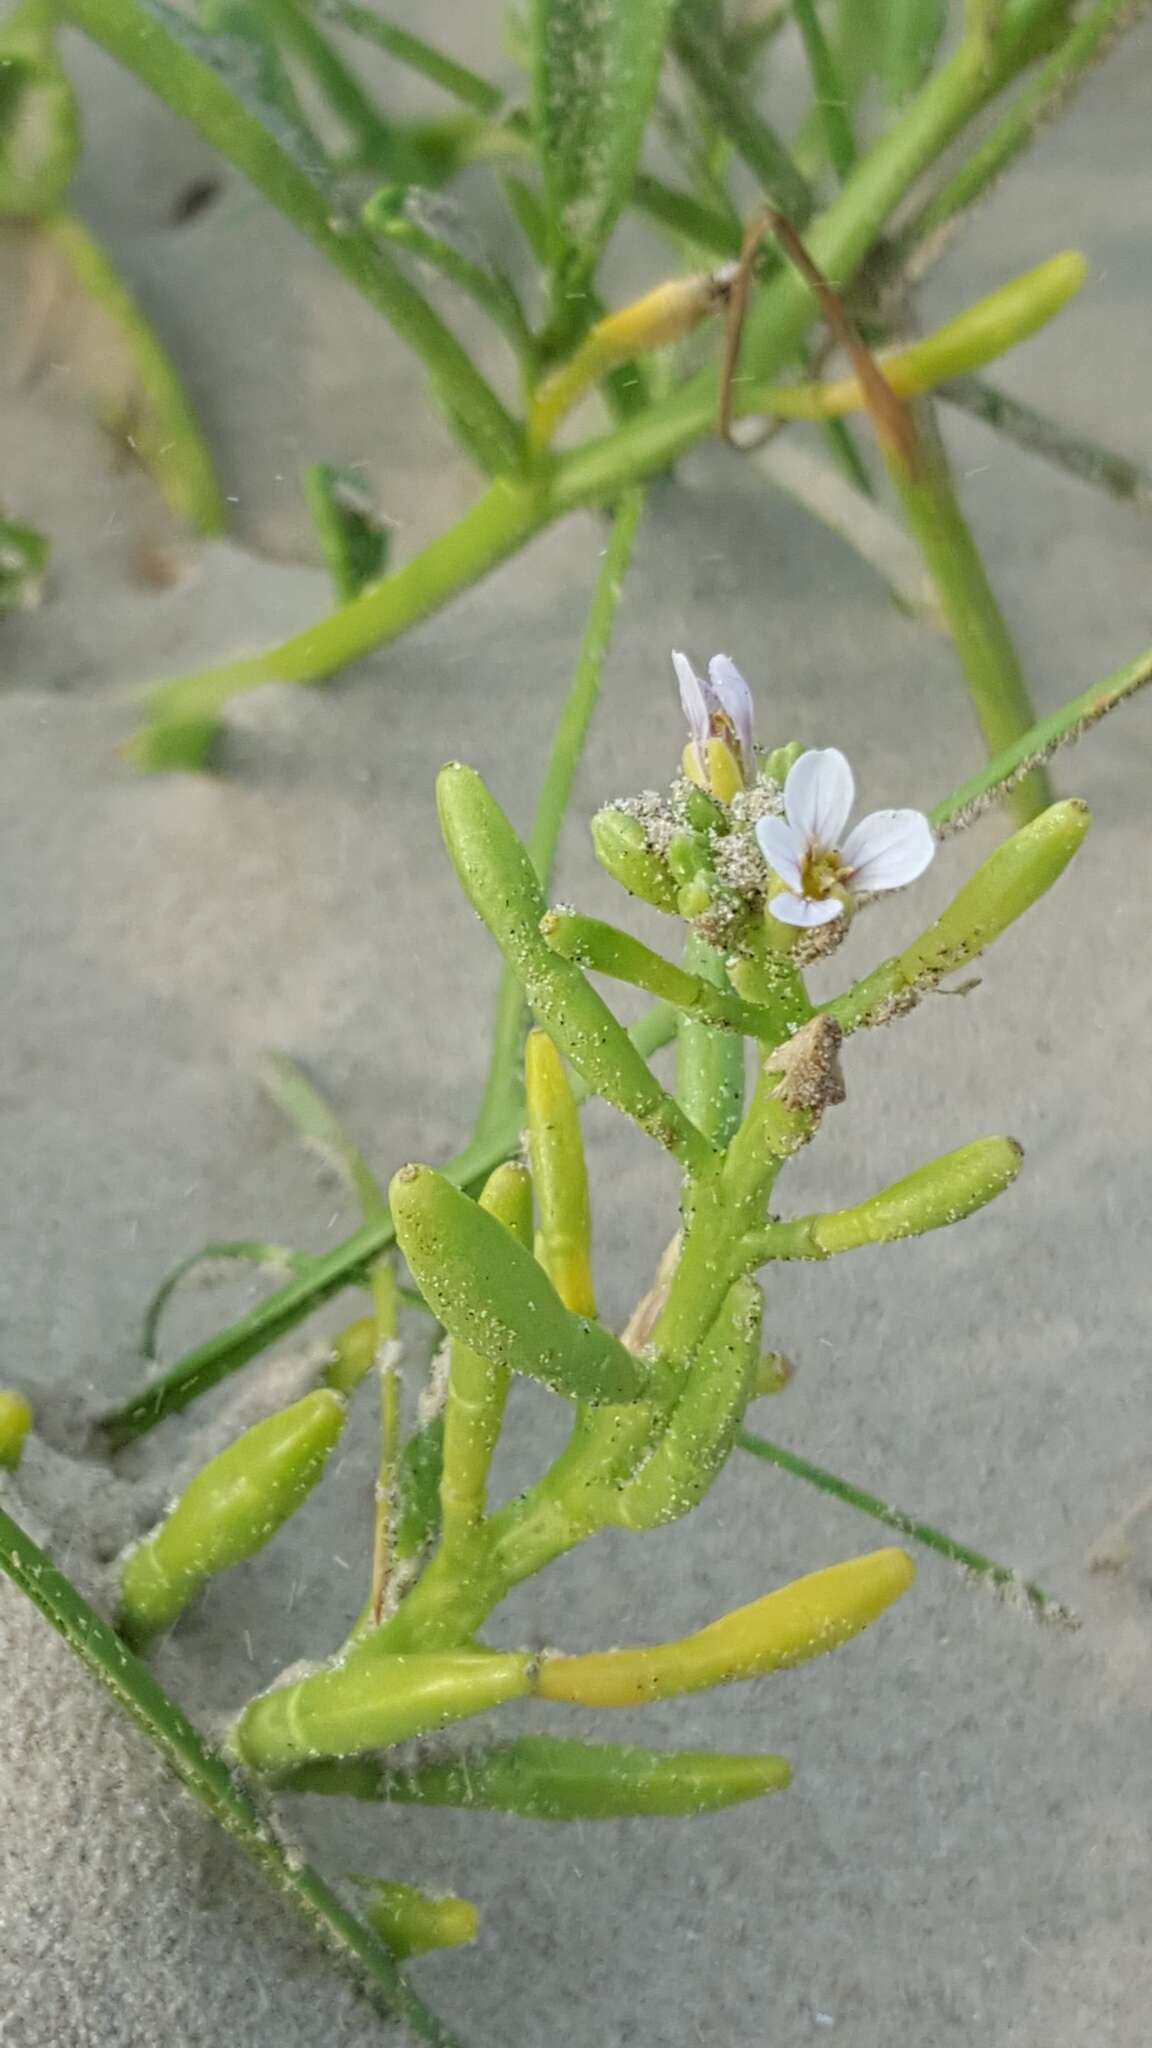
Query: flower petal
(805, 910)
(695, 701)
(888, 849)
(818, 795)
(782, 850)
(735, 700)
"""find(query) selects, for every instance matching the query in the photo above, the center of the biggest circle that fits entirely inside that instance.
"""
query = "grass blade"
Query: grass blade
(171, 56)
(596, 64)
(999, 1577)
(276, 1258)
(204, 1773)
(1038, 745)
(317, 1124)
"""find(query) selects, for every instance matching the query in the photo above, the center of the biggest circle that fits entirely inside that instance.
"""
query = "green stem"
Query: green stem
(184, 711)
(344, 1266)
(175, 67)
(208, 1778)
(697, 989)
(156, 418)
(831, 97)
(687, 217)
(1037, 745)
(971, 1561)
(293, 29)
(1039, 435)
(737, 117)
(464, 85)
(781, 315)
(503, 1092)
(507, 516)
(991, 665)
(1037, 102)
(385, 1303)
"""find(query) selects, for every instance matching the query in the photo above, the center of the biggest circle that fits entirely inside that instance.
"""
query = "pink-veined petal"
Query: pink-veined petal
(818, 796)
(805, 910)
(735, 699)
(782, 850)
(888, 849)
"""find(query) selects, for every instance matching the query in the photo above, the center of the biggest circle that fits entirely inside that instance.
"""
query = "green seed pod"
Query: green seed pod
(490, 1293)
(545, 1777)
(370, 1701)
(501, 884)
(621, 845)
(699, 1434)
(1020, 871)
(559, 1176)
(411, 1921)
(944, 1192)
(16, 1420)
(230, 1511)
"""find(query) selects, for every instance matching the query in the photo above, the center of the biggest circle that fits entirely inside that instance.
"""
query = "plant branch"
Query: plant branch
(503, 1090)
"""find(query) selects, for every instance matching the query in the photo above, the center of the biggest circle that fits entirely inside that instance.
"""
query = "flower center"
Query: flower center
(824, 873)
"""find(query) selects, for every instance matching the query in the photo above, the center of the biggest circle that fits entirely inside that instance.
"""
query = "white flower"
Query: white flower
(719, 709)
(804, 846)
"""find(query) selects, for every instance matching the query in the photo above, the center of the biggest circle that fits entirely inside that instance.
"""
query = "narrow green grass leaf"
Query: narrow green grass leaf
(204, 1773)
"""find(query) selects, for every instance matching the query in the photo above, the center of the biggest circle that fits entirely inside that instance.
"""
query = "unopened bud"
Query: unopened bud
(621, 845)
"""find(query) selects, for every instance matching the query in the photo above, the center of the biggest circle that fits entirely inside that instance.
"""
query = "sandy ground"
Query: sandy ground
(964, 1856)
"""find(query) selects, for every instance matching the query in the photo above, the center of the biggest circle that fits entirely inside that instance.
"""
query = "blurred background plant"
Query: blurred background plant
(909, 112)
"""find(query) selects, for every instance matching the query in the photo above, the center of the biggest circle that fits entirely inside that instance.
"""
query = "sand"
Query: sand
(964, 1855)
